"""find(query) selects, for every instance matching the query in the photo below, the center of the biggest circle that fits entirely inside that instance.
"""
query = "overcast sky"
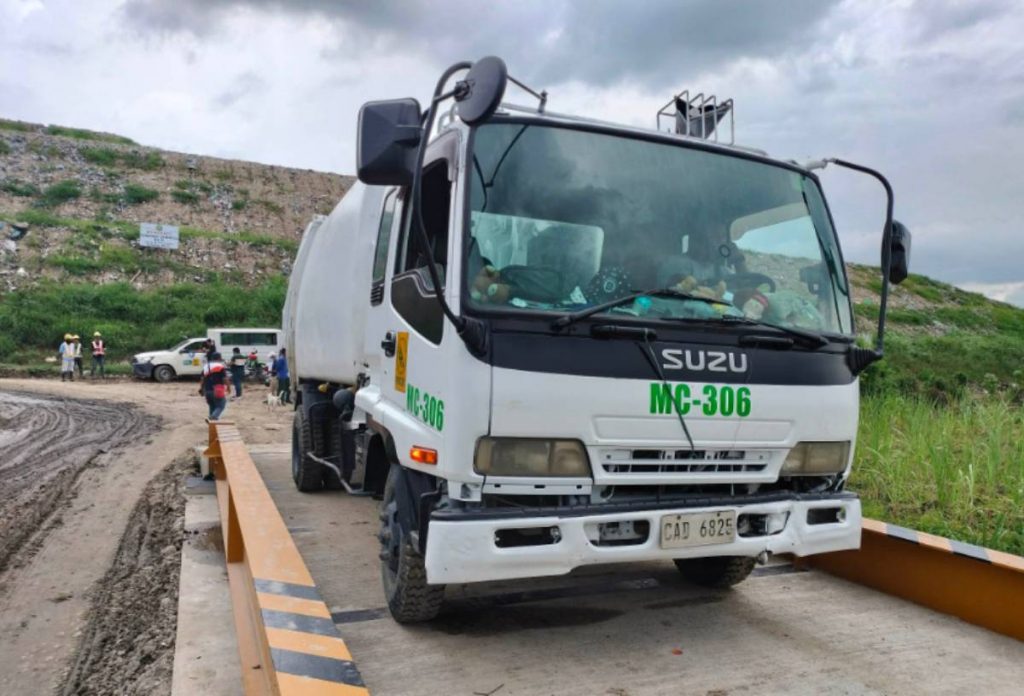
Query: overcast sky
(930, 92)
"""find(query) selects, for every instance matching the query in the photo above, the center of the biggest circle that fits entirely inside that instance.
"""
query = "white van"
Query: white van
(186, 358)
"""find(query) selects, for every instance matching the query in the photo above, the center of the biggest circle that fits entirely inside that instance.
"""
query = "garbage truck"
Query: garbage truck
(546, 341)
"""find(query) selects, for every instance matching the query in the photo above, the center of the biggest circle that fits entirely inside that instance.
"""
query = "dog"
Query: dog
(273, 400)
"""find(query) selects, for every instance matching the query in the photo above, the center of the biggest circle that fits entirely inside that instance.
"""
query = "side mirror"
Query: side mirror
(389, 135)
(899, 253)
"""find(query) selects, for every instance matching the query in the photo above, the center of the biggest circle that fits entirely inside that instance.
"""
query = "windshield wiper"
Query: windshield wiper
(808, 338)
(568, 319)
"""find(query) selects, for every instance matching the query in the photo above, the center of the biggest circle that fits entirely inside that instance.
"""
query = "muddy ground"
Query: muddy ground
(128, 643)
(90, 506)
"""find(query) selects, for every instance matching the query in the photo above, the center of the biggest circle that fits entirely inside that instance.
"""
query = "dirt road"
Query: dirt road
(74, 460)
(45, 445)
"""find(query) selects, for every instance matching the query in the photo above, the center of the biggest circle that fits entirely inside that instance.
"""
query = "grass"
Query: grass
(270, 206)
(19, 188)
(952, 471)
(185, 197)
(83, 134)
(132, 320)
(110, 157)
(58, 193)
(135, 194)
(15, 126)
(103, 156)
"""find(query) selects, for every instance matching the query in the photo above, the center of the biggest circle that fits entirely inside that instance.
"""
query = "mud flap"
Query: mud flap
(418, 493)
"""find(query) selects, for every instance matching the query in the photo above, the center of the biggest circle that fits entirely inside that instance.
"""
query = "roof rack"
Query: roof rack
(697, 116)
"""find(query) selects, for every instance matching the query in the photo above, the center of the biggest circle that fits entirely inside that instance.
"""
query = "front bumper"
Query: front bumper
(142, 370)
(462, 548)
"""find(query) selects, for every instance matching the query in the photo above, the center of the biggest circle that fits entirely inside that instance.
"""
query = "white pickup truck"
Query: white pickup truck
(186, 358)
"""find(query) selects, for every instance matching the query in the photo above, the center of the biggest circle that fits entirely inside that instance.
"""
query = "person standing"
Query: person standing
(67, 359)
(280, 371)
(99, 355)
(271, 380)
(238, 362)
(214, 385)
(76, 342)
(209, 347)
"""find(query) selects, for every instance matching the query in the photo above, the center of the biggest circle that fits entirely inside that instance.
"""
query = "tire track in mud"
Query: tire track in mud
(46, 442)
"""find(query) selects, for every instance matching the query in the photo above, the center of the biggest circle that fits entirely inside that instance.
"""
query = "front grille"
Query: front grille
(684, 461)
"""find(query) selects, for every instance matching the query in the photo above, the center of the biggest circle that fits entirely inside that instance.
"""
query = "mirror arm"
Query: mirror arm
(886, 249)
(471, 331)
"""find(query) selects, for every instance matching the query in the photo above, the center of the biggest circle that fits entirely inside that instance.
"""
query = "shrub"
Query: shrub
(135, 194)
(5, 149)
(103, 156)
(187, 197)
(42, 218)
(137, 160)
(61, 192)
(16, 126)
(75, 265)
(19, 188)
(271, 206)
(83, 134)
(239, 204)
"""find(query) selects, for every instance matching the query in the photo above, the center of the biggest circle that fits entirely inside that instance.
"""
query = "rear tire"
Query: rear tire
(164, 373)
(716, 571)
(307, 474)
(403, 570)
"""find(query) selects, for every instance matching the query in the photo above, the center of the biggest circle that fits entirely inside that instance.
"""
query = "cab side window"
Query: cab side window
(412, 289)
(380, 256)
(436, 203)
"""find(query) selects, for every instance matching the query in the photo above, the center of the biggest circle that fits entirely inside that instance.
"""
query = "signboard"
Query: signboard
(158, 236)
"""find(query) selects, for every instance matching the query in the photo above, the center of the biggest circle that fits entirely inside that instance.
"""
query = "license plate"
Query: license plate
(698, 529)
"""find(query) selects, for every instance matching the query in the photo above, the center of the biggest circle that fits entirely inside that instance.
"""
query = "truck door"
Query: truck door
(405, 325)
(378, 319)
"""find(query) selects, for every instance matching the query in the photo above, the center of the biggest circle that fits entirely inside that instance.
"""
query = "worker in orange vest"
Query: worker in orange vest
(99, 354)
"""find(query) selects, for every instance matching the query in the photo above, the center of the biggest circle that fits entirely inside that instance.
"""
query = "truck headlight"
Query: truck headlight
(522, 456)
(817, 458)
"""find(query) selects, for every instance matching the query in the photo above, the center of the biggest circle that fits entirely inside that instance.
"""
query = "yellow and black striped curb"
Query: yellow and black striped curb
(303, 640)
(981, 586)
(959, 548)
(287, 641)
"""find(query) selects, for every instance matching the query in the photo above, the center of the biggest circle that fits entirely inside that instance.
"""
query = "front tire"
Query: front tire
(164, 373)
(307, 474)
(403, 570)
(717, 571)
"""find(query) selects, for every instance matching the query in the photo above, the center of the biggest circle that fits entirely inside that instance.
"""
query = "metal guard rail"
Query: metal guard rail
(287, 641)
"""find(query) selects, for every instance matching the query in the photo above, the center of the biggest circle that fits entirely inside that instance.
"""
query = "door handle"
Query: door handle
(389, 343)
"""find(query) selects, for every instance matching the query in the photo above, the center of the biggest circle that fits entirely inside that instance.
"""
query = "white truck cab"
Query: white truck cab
(186, 359)
(548, 342)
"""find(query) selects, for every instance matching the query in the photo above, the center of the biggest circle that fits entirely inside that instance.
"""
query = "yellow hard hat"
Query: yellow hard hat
(75, 337)
(97, 334)
(67, 337)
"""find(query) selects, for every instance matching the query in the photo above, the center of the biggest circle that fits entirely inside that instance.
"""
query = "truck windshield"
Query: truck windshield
(562, 219)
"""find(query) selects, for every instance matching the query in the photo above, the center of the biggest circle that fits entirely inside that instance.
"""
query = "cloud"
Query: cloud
(243, 86)
(551, 42)
(931, 92)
